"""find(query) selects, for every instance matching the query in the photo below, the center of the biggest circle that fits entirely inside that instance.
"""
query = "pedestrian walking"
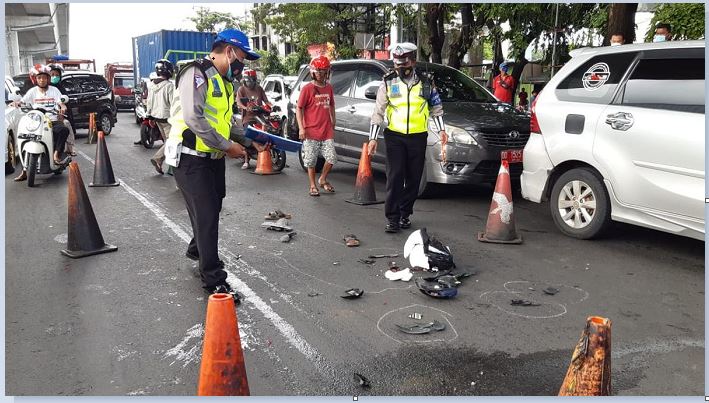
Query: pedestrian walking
(200, 121)
(503, 84)
(158, 106)
(316, 123)
(407, 98)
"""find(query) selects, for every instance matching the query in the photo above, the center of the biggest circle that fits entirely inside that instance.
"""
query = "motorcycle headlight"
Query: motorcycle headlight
(33, 122)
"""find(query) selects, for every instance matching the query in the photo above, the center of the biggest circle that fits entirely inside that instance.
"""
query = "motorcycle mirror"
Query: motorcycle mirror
(63, 99)
(15, 97)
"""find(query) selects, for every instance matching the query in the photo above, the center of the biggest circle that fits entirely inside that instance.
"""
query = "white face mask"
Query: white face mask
(616, 43)
(659, 38)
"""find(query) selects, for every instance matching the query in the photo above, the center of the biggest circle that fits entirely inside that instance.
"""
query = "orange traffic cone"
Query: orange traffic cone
(589, 373)
(264, 164)
(84, 235)
(500, 226)
(364, 186)
(103, 171)
(92, 128)
(222, 371)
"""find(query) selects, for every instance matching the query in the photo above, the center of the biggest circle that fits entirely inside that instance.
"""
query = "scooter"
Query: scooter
(36, 143)
(268, 121)
(149, 132)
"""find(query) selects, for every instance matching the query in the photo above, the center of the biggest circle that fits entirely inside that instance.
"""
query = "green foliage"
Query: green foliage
(687, 20)
(293, 61)
(270, 62)
(213, 21)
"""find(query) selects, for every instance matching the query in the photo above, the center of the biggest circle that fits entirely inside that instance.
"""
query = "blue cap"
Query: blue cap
(504, 66)
(239, 39)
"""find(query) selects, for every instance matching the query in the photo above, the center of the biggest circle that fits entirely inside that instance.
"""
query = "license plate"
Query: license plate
(511, 156)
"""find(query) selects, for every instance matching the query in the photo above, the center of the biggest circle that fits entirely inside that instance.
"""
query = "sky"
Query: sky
(103, 31)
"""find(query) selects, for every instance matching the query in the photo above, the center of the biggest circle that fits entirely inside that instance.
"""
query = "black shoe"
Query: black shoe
(405, 223)
(392, 227)
(225, 289)
(192, 256)
(135, 143)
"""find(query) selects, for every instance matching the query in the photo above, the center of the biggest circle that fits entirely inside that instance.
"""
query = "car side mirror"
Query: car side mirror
(371, 92)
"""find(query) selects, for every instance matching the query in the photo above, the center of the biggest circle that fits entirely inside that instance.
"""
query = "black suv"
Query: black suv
(479, 127)
(88, 92)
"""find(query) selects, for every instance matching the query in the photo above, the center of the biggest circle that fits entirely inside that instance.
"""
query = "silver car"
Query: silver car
(618, 134)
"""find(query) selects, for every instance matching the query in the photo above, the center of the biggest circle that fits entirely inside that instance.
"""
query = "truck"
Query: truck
(120, 79)
(171, 45)
(72, 64)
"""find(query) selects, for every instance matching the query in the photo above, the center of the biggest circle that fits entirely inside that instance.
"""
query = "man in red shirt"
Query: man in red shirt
(503, 84)
(316, 122)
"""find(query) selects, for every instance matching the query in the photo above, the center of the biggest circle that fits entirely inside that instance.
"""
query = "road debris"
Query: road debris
(550, 291)
(421, 328)
(351, 240)
(366, 261)
(280, 225)
(436, 290)
(352, 293)
(287, 237)
(523, 302)
(391, 255)
(361, 380)
(403, 275)
(416, 316)
(276, 215)
(425, 251)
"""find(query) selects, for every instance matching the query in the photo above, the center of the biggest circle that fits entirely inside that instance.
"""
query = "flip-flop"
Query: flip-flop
(351, 240)
(327, 187)
(314, 191)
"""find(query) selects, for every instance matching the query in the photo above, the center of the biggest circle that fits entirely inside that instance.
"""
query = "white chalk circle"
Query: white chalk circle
(387, 324)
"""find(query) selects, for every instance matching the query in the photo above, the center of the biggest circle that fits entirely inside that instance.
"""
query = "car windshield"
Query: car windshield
(123, 82)
(455, 86)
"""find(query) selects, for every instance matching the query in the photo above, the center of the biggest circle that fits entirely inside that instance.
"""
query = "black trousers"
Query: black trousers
(406, 155)
(202, 183)
(59, 135)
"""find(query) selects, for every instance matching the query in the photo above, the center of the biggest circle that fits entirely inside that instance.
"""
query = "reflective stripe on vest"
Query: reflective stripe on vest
(217, 109)
(407, 111)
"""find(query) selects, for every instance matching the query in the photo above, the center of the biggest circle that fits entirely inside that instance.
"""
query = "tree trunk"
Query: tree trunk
(621, 19)
(434, 21)
(461, 44)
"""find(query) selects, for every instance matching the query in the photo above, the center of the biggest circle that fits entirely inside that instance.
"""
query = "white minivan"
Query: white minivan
(618, 134)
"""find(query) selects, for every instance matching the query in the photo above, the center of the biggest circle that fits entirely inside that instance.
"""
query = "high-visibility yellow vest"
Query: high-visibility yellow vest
(407, 111)
(217, 107)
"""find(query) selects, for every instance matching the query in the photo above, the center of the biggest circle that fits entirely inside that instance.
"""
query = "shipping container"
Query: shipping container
(173, 45)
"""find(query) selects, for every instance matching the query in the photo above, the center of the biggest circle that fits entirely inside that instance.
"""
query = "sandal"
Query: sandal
(22, 177)
(277, 214)
(351, 240)
(327, 186)
(314, 191)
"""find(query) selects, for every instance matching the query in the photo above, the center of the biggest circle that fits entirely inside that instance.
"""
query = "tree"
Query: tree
(621, 19)
(686, 19)
(435, 18)
(212, 21)
(270, 62)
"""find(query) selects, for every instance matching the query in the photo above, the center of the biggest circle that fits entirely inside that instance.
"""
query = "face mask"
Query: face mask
(55, 80)
(405, 72)
(235, 68)
(659, 38)
(615, 44)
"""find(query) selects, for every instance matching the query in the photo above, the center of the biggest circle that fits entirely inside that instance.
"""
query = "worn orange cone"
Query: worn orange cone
(364, 186)
(222, 371)
(84, 235)
(92, 128)
(264, 164)
(103, 171)
(589, 373)
(500, 227)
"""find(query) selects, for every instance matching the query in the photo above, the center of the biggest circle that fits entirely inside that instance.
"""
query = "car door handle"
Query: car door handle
(351, 109)
(620, 121)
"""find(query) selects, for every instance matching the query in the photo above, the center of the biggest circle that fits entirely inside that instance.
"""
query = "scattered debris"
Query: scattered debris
(335, 263)
(550, 290)
(351, 240)
(523, 302)
(421, 328)
(393, 266)
(353, 293)
(416, 316)
(287, 237)
(314, 294)
(392, 255)
(280, 225)
(450, 281)
(436, 290)
(361, 380)
(427, 252)
(436, 276)
(403, 275)
(366, 261)
(276, 215)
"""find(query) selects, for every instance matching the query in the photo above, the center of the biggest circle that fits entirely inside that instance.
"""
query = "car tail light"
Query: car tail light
(533, 122)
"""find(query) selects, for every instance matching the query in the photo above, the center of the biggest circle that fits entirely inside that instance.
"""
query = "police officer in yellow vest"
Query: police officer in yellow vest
(408, 99)
(200, 116)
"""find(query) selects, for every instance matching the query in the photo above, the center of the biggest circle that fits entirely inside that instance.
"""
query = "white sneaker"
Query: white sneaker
(245, 165)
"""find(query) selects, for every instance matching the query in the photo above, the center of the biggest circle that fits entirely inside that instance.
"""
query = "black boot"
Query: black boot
(392, 227)
(405, 223)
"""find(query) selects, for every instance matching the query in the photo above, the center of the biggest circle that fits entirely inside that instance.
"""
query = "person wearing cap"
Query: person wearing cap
(55, 77)
(200, 119)
(158, 106)
(408, 100)
(503, 84)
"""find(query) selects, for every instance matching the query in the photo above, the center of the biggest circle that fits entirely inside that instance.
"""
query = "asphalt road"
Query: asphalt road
(131, 322)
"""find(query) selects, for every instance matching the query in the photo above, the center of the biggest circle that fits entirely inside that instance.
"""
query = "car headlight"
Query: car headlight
(33, 122)
(460, 136)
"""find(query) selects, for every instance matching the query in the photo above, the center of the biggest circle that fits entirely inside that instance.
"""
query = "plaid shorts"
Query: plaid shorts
(314, 148)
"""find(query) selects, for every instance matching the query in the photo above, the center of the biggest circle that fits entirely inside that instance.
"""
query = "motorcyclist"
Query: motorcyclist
(250, 89)
(158, 106)
(49, 97)
(55, 77)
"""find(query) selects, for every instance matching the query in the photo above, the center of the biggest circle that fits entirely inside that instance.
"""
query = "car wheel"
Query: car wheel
(11, 157)
(32, 169)
(318, 165)
(105, 123)
(580, 204)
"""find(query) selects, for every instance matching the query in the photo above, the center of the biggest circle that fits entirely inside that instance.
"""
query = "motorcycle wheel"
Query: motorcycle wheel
(145, 138)
(32, 169)
(278, 158)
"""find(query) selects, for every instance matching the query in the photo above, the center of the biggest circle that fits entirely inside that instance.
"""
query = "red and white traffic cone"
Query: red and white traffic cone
(500, 226)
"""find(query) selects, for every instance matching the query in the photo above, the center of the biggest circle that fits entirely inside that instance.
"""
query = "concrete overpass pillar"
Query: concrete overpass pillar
(12, 63)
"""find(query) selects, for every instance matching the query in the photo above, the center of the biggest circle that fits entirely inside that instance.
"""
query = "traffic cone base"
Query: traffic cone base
(500, 226)
(103, 171)
(222, 371)
(264, 164)
(589, 373)
(84, 235)
(364, 194)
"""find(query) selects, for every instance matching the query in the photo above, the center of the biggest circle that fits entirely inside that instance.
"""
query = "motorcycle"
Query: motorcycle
(149, 132)
(35, 142)
(269, 121)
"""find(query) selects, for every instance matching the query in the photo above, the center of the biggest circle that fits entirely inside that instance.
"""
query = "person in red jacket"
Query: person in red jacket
(503, 85)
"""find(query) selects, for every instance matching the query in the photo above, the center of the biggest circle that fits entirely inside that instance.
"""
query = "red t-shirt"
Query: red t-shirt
(503, 94)
(316, 103)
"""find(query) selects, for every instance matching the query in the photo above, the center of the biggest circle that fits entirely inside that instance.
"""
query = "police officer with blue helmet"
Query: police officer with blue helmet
(408, 99)
(200, 119)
